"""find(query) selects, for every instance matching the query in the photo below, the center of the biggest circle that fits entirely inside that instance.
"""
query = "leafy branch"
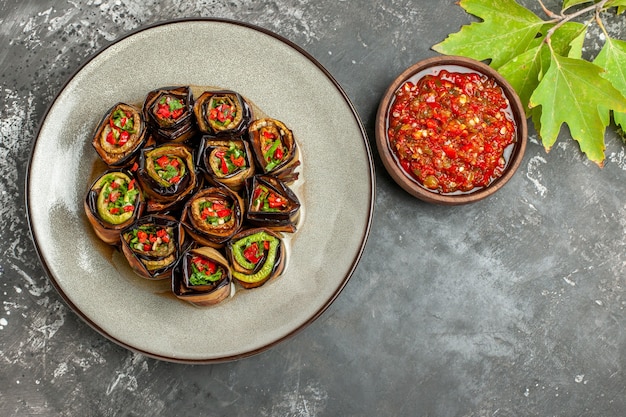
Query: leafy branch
(543, 60)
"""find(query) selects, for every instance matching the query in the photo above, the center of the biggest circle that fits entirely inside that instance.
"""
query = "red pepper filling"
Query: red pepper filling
(254, 252)
(121, 126)
(223, 113)
(149, 238)
(450, 131)
(169, 168)
(169, 108)
(215, 212)
(120, 196)
(231, 159)
(204, 265)
(272, 149)
(204, 271)
(265, 199)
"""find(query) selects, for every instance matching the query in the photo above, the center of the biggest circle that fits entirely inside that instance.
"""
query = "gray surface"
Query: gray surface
(513, 306)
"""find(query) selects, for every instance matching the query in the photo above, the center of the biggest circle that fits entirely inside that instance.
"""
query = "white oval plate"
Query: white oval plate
(337, 190)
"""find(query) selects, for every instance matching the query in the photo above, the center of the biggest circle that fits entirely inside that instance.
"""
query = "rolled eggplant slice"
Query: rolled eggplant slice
(169, 113)
(223, 112)
(271, 203)
(212, 216)
(225, 161)
(275, 148)
(202, 277)
(167, 173)
(150, 245)
(120, 135)
(256, 256)
(113, 202)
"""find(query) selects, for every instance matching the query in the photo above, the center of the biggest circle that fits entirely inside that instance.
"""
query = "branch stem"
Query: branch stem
(563, 19)
(549, 12)
(600, 23)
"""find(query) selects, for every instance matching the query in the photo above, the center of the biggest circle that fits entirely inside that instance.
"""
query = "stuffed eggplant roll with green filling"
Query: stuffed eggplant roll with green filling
(169, 113)
(220, 113)
(151, 246)
(202, 277)
(275, 148)
(225, 161)
(113, 202)
(271, 203)
(120, 135)
(212, 216)
(256, 255)
(167, 175)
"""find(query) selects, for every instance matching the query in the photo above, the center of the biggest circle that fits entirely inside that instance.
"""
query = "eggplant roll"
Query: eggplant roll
(202, 277)
(271, 203)
(275, 148)
(150, 245)
(221, 113)
(113, 202)
(225, 161)
(120, 135)
(169, 113)
(167, 173)
(212, 216)
(256, 255)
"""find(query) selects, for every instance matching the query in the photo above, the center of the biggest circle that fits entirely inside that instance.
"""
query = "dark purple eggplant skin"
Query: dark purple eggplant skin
(135, 259)
(234, 181)
(139, 138)
(285, 170)
(200, 295)
(220, 236)
(271, 219)
(176, 192)
(184, 129)
(277, 268)
(201, 110)
(105, 231)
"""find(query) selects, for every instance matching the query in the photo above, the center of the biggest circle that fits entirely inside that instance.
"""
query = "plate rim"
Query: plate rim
(356, 257)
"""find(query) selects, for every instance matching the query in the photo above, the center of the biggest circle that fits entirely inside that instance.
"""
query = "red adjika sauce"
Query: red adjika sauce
(450, 130)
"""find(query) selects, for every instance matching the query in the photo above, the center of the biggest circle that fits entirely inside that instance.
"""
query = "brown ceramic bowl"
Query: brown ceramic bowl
(515, 151)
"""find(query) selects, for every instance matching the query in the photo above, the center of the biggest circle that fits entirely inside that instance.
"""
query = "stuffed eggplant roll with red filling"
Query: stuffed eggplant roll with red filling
(169, 113)
(212, 216)
(275, 148)
(256, 256)
(202, 277)
(221, 113)
(271, 203)
(120, 135)
(167, 175)
(225, 161)
(151, 246)
(113, 202)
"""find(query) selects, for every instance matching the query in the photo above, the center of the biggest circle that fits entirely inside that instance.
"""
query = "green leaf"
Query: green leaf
(574, 92)
(506, 31)
(569, 3)
(621, 4)
(576, 45)
(566, 36)
(564, 41)
(543, 61)
(524, 71)
(612, 58)
(611, 3)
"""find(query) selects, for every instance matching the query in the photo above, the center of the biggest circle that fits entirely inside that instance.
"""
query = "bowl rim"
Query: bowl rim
(410, 185)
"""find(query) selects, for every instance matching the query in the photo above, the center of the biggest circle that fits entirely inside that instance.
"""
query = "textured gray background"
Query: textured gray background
(513, 306)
